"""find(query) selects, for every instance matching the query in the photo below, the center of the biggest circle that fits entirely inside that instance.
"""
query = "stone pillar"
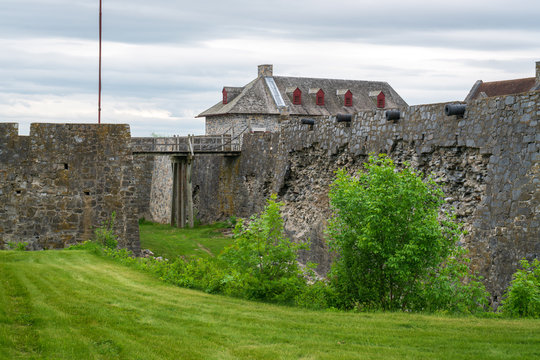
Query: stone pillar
(538, 73)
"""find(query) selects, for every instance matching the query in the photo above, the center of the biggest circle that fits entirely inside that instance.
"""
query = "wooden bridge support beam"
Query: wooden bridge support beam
(182, 195)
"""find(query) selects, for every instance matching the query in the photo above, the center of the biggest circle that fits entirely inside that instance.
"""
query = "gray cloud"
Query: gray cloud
(159, 21)
(167, 61)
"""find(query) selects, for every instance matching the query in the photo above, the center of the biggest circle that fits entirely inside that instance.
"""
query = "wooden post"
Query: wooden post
(178, 207)
(181, 194)
(189, 192)
(174, 199)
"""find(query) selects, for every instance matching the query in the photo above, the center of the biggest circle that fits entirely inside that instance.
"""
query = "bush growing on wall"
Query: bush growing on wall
(105, 235)
(522, 298)
(393, 249)
(452, 287)
(262, 261)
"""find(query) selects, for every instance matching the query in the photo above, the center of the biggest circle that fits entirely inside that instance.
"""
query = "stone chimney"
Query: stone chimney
(538, 73)
(267, 70)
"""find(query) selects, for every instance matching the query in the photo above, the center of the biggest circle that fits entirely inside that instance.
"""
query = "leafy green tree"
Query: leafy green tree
(522, 298)
(262, 259)
(389, 237)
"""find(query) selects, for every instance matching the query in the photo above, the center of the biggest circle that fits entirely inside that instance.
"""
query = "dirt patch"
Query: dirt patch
(205, 249)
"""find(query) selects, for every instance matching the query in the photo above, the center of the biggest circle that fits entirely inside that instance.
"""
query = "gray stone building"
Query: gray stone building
(261, 105)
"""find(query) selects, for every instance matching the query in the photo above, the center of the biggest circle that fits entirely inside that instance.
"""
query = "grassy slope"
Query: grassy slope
(170, 242)
(75, 305)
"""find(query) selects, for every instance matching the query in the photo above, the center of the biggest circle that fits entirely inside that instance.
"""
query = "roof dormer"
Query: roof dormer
(379, 97)
(381, 100)
(320, 98)
(230, 92)
(319, 95)
(295, 95)
(345, 96)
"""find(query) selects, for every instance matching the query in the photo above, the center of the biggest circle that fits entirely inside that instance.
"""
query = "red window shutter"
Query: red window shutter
(320, 98)
(348, 98)
(381, 101)
(297, 97)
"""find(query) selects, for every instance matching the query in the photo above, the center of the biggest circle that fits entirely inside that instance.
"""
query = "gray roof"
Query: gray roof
(256, 97)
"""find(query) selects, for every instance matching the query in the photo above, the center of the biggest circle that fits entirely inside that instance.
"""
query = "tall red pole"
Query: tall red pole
(99, 95)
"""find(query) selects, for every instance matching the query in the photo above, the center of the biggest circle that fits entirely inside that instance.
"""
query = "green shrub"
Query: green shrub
(262, 260)
(394, 251)
(204, 274)
(231, 222)
(522, 298)
(17, 246)
(143, 221)
(316, 296)
(105, 235)
(92, 246)
(452, 288)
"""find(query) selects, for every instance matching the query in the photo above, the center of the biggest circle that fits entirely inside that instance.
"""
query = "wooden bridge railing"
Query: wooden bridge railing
(185, 144)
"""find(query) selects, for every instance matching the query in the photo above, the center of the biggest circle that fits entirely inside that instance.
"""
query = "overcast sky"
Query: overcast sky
(164, 62)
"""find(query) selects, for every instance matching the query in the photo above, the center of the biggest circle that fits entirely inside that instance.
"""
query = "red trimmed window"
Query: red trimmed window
(348, 98)
(297, 97)
(224, 96)
(320, 97)
(381, 100)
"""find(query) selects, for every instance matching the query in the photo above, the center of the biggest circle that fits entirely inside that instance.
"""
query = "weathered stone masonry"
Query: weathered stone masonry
(487, 162)
(62, 181)
(212, 175)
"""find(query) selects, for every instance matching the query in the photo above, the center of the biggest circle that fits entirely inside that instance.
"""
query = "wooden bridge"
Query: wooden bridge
(185, 145)
(182, 149)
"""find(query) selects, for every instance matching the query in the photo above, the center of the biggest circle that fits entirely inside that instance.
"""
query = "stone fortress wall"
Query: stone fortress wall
(62, 181)
(487, 162)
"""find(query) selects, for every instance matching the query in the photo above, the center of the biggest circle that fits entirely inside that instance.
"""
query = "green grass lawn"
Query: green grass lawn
(76, 305)
(170, 242)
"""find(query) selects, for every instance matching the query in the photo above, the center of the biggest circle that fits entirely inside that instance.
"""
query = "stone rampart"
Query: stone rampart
(62, 181)
(487, 162)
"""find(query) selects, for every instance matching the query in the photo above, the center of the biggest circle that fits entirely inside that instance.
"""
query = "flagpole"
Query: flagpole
(99, 92)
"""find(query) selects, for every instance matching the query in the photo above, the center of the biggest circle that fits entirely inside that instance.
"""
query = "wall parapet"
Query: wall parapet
(62, 181)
